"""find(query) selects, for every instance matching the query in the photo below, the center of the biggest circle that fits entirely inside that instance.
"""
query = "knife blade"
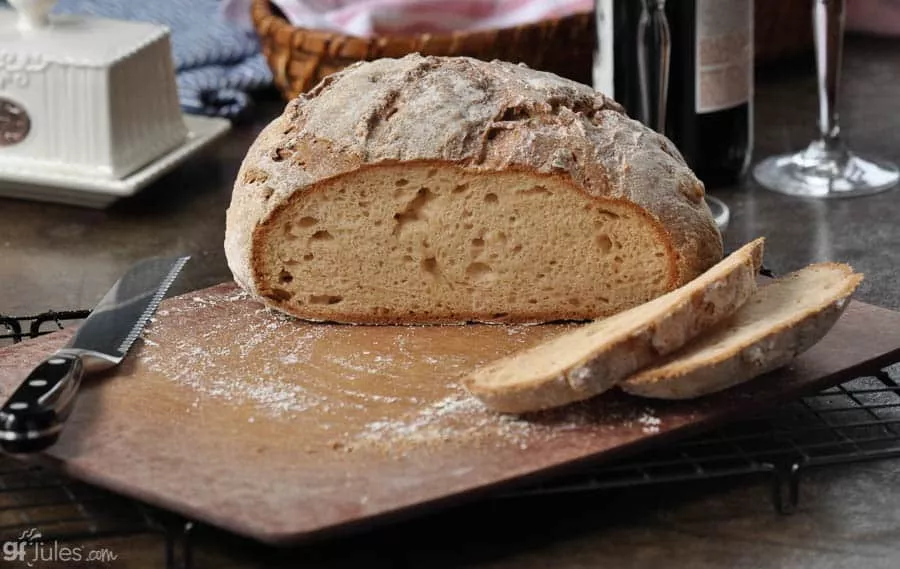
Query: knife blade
(33, 417)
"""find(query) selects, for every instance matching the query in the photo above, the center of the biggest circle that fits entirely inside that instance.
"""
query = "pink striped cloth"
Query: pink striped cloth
(375, 17)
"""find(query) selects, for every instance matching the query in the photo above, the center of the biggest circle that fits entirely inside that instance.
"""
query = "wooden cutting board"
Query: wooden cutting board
(281, 430)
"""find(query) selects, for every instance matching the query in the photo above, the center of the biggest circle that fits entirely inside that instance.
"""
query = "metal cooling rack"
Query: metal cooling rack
(853, 422)
(856, 421)
(18, 328)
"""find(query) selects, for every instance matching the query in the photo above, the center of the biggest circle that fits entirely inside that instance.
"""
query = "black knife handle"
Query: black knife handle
(31, 420)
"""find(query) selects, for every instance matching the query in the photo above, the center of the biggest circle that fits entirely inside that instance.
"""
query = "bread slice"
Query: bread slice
(589, 360)
(445, 190)
(782, 320)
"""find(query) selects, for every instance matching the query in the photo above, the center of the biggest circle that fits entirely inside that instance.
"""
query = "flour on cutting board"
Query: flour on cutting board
(200, 363)
(354, 382)
(455, 416)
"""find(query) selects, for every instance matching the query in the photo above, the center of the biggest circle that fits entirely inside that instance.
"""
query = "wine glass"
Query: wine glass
(826, 168)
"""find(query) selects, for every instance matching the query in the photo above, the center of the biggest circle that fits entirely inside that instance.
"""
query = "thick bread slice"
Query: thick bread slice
(589, 360)
(447, 190)
(782, 320)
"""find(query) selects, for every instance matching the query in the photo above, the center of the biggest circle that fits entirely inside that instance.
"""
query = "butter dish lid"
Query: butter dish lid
(30, 31)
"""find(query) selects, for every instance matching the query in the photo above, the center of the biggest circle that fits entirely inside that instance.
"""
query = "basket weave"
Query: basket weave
(300, 57)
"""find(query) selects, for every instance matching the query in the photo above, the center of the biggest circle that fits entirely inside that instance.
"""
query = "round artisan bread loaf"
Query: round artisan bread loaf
(439, 190)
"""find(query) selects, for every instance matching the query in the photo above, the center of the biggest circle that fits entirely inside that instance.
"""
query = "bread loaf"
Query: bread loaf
(589, 360)
(444, 190)
(782, 320)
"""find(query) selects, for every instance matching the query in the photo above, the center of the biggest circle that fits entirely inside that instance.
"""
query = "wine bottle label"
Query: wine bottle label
(603, 57)
(724, 54)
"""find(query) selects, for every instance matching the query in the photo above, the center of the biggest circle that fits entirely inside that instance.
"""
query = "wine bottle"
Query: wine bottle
(685, 68)
(711, 108)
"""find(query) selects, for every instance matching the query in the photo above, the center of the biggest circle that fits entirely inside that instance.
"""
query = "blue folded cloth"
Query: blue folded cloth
(217, 61)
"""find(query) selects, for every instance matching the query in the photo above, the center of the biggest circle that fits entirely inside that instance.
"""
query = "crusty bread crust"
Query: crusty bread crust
(476, 115)
(590, 360)
(770, 349)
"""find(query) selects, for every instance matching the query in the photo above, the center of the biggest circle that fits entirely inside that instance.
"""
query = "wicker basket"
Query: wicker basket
(299, 57)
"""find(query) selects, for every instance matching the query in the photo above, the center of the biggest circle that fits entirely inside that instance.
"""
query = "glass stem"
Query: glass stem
(654, 47)
(828, 29)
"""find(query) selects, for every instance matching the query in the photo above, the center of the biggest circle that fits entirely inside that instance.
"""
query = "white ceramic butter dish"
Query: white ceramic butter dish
(98, 192)
(88, 104)
(85, 95)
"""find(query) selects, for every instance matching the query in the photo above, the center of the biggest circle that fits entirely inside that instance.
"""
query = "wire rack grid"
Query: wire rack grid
(856, 421)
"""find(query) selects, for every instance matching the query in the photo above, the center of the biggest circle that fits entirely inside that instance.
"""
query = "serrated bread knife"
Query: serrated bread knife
(32, 418)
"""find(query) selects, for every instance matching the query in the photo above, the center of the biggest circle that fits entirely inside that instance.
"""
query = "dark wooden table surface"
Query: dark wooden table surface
(60, 257)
